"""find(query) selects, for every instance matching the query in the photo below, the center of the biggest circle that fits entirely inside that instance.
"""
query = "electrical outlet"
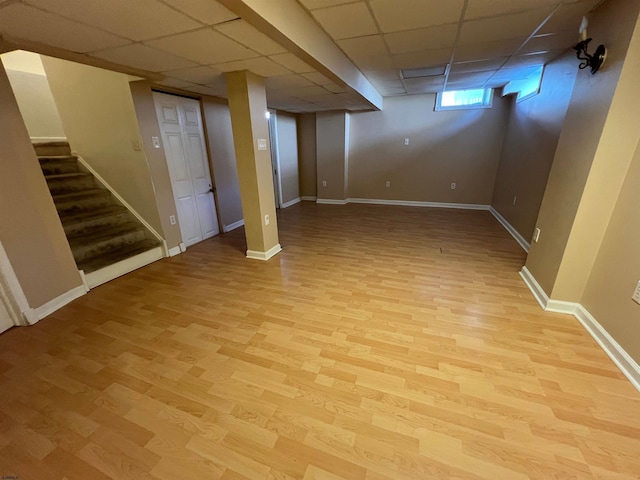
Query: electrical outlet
(324, 183)
(266, 219)
(536, 235)
(172, 219)
(514, 199)
(453, 185)
(156, 142)
(636, 294)
(406, 142)
(388, 184)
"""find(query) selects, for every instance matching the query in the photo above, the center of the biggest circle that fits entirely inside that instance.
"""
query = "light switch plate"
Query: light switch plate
(156, 142)
(262, 144)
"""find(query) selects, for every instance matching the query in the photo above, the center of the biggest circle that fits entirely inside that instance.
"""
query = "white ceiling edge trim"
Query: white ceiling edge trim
(287, 23)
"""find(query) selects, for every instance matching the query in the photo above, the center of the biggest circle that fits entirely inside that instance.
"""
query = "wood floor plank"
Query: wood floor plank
(382, 343)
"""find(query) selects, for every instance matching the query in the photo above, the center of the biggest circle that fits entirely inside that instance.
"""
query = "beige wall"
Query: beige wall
(461, 146)
(590, 137)
(99, 118)
(30, 229)
(332, 142)
(307, 163)
(142, 96)
(36, 104)
(223, 159)
(616, 271)
(286, 126)
(530, 144)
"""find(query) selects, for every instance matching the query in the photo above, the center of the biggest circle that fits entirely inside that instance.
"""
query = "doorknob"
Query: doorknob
(212, 189)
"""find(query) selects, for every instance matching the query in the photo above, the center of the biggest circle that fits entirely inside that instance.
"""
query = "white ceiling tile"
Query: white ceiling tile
(293, 63)
(393, 74)
(303, 92)
(333, 88)
(475, 79)
(397, 15)
(313, 4)
(143, 57)
(363, 47)
(208, 12)
(204, 46)
(214, 92)
(24, 22)
(550, 42)
(260, 66)
(243, 33)
(421, 85)
(287, 81)
(374, 63)
(483, 50)
(199, 75)
(568, 18)
(138, 20)
(346, 21)
(531, 60)
(503, 27)
(175, 83)
(492, 8)
(426, 58)
(479, 66)
(318, 78)
(514, 73)
(442, 36)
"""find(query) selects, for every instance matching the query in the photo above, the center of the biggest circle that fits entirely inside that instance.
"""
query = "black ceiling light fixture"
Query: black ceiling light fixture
(595, 60)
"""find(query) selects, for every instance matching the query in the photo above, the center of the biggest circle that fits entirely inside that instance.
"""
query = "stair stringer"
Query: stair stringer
(85, 166)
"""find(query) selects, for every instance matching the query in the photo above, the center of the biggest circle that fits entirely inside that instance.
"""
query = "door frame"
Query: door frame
(207, 147)
(275, 156)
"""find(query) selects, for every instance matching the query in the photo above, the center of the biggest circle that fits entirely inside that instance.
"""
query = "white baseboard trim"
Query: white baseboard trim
(48, 139)
(118, 197)
(330, 201)
(308, 198)
(172, 252)
(264, 255)
(514, 233)
(291, 202)
(538, 293)
(233, 226)
(118, 269)
(627, 365)
(411, 203)
(57, 303)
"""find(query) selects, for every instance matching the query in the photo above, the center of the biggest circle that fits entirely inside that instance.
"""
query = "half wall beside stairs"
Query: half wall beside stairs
(106, 239)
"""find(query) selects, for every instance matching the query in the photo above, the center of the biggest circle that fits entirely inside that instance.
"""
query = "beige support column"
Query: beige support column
(248, 106)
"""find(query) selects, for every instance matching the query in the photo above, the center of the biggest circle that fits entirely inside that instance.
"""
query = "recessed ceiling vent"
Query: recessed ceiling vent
(426, 72)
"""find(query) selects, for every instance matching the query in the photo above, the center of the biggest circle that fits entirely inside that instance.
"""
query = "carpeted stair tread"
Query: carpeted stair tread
(72, 196)
(103, 234)
(127, 251)
(68, 176)
(70, 218)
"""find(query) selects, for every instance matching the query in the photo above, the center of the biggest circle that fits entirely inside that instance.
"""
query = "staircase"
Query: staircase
(101, 232)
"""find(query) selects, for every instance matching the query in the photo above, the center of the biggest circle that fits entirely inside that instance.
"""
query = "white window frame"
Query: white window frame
(488, 102)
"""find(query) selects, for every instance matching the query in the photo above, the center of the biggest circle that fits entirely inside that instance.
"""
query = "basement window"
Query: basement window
(461, 99)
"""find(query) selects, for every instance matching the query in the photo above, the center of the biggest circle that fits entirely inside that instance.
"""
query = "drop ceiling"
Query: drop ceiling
(189, 44)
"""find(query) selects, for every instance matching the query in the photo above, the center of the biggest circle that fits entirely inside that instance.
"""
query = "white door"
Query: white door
(183, 137)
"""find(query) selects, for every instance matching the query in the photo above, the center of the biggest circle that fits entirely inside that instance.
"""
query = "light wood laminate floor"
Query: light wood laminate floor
(383, 343)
